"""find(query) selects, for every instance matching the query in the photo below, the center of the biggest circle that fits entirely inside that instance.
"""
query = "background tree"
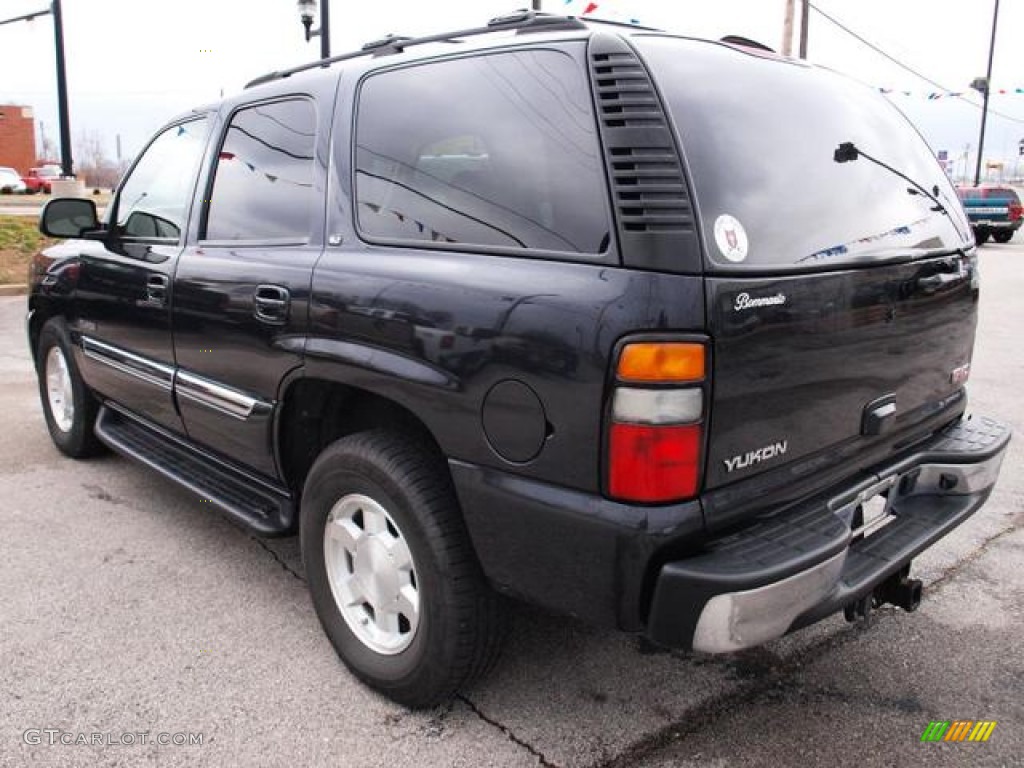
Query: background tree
(94, 165)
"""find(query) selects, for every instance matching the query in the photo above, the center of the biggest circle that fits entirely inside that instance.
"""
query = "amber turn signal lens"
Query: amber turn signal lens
(669, 361)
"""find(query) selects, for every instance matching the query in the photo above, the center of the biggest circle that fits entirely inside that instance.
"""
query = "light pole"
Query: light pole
(308, 13)
(985, 86)
(66, 161)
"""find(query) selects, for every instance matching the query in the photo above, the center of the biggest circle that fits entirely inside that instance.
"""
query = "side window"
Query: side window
(154, 200)
(263, 187)
(496, 150)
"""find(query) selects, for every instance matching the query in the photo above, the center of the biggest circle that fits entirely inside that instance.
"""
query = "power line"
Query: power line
(907, 67)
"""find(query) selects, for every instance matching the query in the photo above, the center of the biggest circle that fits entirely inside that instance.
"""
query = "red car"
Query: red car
(40, 179)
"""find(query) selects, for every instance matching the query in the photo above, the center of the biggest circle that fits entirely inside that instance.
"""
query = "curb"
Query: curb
(13, 290)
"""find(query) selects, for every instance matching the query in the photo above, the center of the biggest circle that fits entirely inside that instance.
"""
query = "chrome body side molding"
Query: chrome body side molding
(150, 371)
(218, 397)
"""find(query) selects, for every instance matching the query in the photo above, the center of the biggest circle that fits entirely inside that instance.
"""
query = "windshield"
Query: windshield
(760, 136)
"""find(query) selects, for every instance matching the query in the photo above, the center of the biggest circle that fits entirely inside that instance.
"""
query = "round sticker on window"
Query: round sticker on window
(731, 238)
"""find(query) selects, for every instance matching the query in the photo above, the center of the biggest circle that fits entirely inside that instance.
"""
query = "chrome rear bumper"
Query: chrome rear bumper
(794, 568)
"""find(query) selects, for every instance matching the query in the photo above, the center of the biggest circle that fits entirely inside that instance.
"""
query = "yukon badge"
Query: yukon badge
(750, 458)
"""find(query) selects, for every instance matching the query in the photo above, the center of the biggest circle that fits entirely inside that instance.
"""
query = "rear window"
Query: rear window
(760, 134)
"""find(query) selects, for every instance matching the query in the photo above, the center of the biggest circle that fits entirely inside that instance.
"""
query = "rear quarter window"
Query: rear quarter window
(497, 151)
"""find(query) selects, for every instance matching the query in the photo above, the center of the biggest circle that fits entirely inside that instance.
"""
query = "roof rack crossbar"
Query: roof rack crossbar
(523, 21)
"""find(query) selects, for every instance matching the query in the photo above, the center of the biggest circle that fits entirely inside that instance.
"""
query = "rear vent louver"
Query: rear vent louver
(650, 195)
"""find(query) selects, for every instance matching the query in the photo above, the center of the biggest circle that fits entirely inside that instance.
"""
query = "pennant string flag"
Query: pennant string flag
(934, 95)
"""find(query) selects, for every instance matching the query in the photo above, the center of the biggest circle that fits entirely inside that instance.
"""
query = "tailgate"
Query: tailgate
(837, 363)
(841, 302)
(994, 210)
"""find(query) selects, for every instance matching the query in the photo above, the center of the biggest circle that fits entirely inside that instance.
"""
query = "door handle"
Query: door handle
(935, 282)
(271, 304)
(156, 289)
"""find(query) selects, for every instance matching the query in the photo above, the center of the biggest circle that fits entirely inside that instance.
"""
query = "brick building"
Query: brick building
(17, 137)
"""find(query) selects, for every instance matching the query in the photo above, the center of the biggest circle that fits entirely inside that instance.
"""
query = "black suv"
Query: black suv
(643, 329)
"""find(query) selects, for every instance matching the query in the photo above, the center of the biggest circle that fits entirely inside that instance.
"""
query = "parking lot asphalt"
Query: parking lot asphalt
(129, 607)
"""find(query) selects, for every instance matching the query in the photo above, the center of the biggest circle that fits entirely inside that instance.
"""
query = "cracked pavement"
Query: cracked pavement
(128, 606)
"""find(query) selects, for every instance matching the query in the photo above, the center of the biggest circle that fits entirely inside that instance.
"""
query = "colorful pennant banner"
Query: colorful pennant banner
(586, 7)
(933, 95)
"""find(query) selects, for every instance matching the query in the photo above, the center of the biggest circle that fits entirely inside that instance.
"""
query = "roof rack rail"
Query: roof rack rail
(522, 21)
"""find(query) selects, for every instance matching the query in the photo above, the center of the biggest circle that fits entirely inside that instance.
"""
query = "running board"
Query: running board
(254, 503)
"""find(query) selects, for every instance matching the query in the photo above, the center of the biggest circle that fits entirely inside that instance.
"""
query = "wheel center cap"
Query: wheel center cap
(375, 570)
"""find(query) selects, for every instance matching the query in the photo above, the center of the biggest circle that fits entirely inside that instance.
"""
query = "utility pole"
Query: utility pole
(804, 21)
(787, 29)
(986, 92)
(536, 5)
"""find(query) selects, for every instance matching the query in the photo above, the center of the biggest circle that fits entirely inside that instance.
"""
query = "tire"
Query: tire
(70, 429)
(447, 630)
(1002, 237)
(981, 237)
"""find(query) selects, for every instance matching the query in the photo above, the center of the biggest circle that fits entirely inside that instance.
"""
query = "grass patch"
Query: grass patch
(20, 240)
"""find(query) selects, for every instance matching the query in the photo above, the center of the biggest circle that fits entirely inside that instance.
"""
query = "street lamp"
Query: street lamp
(66, 162)
(308, 14)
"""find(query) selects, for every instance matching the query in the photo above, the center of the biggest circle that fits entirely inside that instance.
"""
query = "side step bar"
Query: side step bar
(264, 508)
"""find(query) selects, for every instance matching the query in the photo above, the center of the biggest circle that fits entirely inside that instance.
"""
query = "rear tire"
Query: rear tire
(68, 405)
(1002, 237)
(391, 570)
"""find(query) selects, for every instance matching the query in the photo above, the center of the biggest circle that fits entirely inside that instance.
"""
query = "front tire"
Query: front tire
(981, 237)
(68, 405)
(393, 576)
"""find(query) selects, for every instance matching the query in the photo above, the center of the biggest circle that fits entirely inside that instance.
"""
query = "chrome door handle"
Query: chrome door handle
(270, 304)
(156, 289)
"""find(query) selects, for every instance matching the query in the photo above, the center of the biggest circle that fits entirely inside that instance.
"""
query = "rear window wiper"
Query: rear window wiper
(848, 152)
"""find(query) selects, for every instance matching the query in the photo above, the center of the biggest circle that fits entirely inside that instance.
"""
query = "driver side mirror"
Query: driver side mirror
(68, 217)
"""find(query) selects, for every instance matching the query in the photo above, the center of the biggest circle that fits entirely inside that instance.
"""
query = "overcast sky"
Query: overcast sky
(132, 64)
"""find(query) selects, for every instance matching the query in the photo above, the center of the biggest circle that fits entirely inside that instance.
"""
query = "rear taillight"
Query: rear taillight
(656, 425)
(1016, 211)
